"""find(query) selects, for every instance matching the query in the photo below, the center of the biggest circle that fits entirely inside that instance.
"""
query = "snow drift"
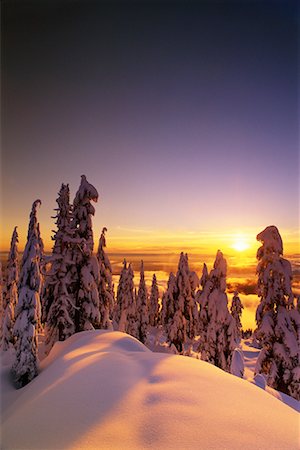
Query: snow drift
(105, 389)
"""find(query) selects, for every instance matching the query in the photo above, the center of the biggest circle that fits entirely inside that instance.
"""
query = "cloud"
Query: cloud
(246, 287)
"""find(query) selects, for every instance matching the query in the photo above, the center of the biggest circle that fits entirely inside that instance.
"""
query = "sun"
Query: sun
(240, 244)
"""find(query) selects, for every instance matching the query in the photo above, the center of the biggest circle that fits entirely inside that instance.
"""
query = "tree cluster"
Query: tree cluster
(72, 290)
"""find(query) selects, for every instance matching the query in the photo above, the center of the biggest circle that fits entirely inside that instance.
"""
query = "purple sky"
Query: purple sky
(184, 115)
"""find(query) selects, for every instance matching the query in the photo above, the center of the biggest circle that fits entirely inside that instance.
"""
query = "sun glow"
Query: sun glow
(240, 244)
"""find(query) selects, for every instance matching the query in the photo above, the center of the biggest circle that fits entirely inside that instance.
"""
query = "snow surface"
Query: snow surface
(104, 389)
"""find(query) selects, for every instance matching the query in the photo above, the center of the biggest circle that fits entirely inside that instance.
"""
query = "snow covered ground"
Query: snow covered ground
(106, 390)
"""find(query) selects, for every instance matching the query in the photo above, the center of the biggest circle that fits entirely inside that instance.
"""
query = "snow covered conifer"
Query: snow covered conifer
(132, 322)
(183, 324)
(217, 339)
(1, 301)
(187, 282)
(106, 287)
(11, 294)
(153, 303)
(204, 277)
(85, 285)
(121, 304)
(58, 301)
(168, 301)
(278, 321)
(142, 312)
(125, 310)
(27, 312)
(236, 312)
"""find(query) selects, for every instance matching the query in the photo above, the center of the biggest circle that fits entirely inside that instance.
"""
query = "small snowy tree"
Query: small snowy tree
(106, 287)
(237, 365)
(218, 339)
(86, 277)
(153, 303)
(11, 294)
(236, 312)
(142, 312)
(58, 301)
(278, 321)
(25, 366)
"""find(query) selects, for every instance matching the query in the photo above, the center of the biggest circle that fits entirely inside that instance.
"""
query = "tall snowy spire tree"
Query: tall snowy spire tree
(278, 321)
(106, 287)
(58, 301)
(85, 285)
(153, 303)
(25, 366)
(142, 312)
(11, 295)
(218, 339)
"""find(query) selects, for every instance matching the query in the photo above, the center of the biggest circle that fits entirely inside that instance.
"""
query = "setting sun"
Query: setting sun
(240, 244)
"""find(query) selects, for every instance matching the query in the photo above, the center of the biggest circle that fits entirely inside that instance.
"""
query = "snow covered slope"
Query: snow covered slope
(103, 389)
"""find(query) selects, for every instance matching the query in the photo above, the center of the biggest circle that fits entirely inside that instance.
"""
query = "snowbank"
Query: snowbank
(105, 389)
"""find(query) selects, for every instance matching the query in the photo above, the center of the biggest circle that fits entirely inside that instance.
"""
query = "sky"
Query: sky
(183, 115)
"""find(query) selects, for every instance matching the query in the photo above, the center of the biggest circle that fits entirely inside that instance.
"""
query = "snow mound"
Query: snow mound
(106, 390)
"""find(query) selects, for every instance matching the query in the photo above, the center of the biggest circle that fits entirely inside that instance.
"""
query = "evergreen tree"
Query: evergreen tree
(218, 339)
(1, 301)
(121, 302)
(142, 312)
(236, 312)
(132, 323)
(168, 301)
(278, 321)
(202, 299)
(86, 276)
(153, 303)
(11, 295)
(106, 287)
(183, 323)
(58, 302)
(125, 312)
(27, 312)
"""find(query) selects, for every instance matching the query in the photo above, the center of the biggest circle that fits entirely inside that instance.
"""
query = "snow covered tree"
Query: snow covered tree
(11, 294)
(132, 324)
(236, 312)
(86, 276)
(142, 312)
(202, 299)
(153, 303)
(58, 301)
(218, 339)
(278, 321)
(106, 287)
(125, 310)
(168, 301)
(204, 277)
(237, 365)
(27, 312)
(1, 301)
(183, 324)
(121, 302)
